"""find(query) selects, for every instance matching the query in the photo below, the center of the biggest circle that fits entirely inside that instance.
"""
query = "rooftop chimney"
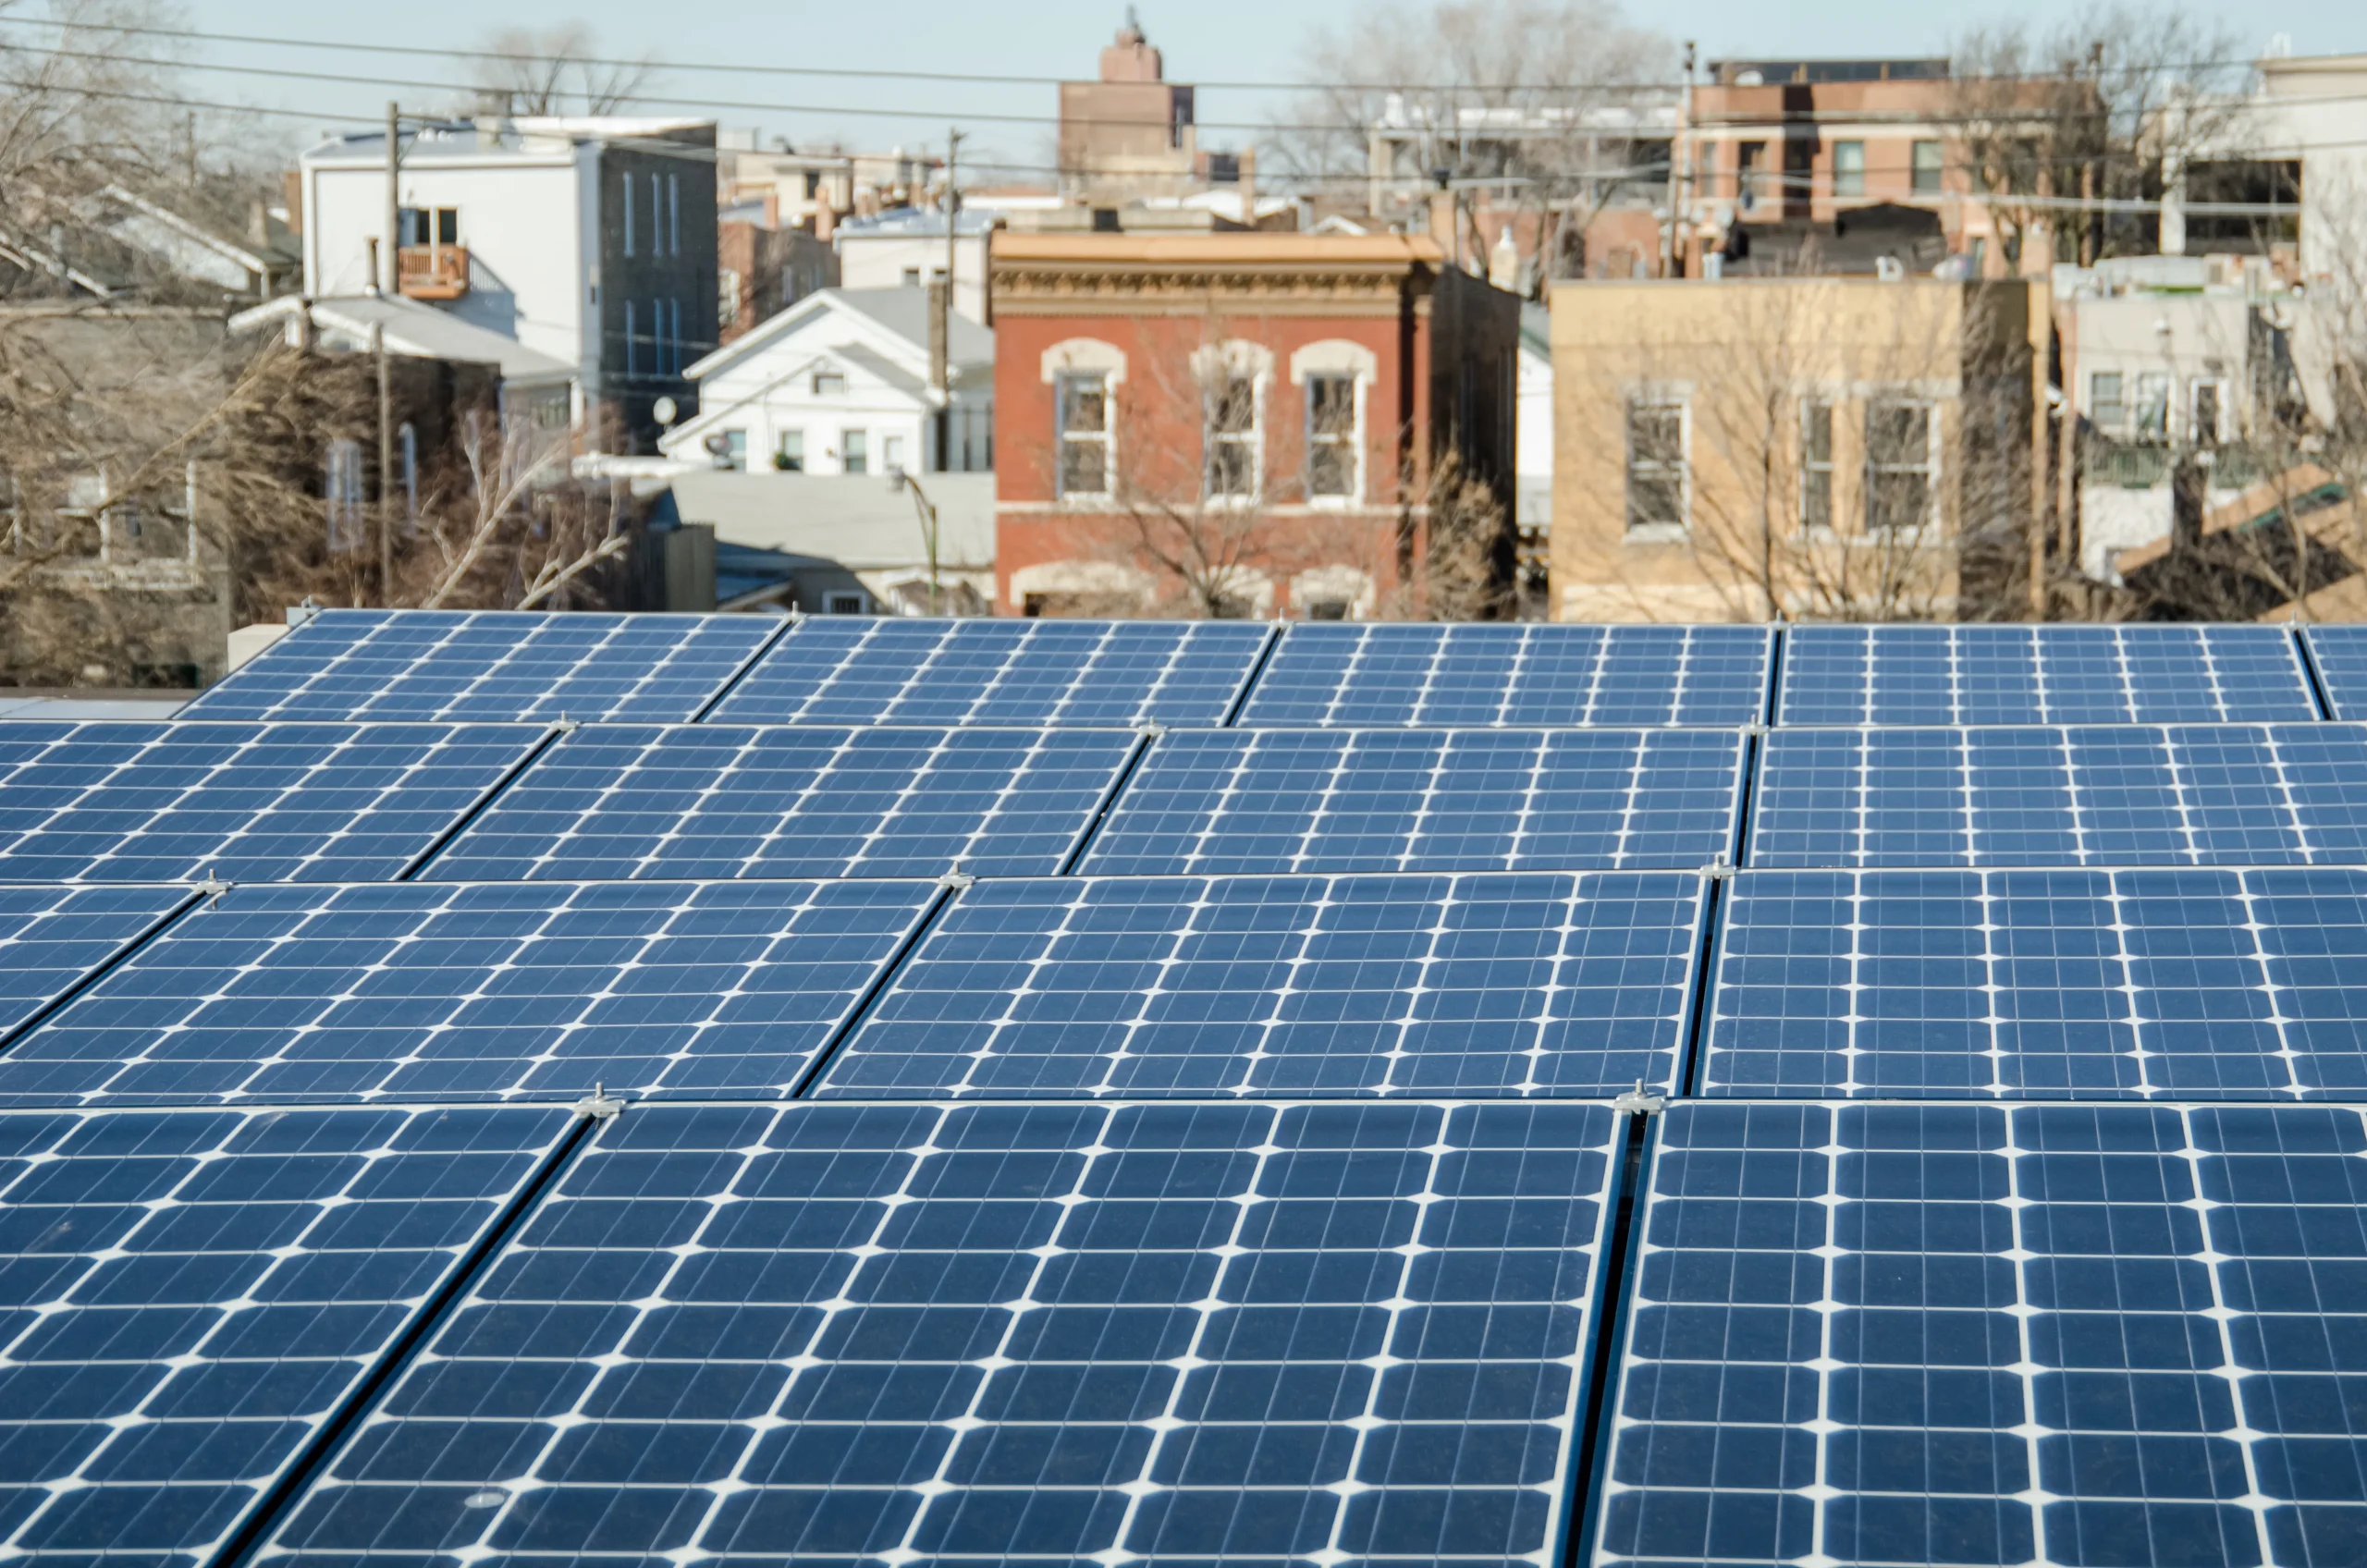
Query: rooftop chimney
(1131, 58)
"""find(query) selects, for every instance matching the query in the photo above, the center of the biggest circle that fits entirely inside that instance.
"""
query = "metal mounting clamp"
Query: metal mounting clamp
(1640, 1101)
(599, 1105)
(956, 878)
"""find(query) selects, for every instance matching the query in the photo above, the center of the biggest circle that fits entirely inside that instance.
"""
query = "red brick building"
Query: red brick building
(1241, 424)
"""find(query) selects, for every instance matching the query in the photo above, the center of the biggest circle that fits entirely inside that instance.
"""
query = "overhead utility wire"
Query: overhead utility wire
(987, 79)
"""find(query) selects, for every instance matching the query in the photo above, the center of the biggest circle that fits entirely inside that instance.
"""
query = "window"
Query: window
(1899, 466)
(2207, 401)
(628, 222)
(2152, 406)
(1925, 168)
(1656, 466)
(657, 218)
(2108, 408)
(855, 452)
(1750, 168)
(1085, 432)
(1331, 443)
(632, 342)
(829, 384)
(343, 488)
(430, 225)
(1976, 255)
(735, 449)
(789, 456)
(674, 214)
(1816, 465)
(842, 604)
(1848, 169)
(891, 453)
(912, 277)
(1229, 443)
(1327, 609)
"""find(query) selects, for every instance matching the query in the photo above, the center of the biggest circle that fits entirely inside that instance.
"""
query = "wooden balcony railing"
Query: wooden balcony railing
(433, 271)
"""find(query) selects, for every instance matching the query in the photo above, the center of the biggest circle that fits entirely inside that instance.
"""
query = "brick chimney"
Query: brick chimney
(1131, 58)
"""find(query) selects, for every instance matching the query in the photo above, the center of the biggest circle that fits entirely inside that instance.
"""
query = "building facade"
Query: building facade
(1239, 423)
(589, 240)
(1825, 448)
(906, 248)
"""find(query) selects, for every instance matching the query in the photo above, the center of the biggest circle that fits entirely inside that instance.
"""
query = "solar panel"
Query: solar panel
(1010, 1334)
(253, 802)
(1995, 674)
(714, 801)
(1466, 985)
(51, 937)
(458, 991)
(1395, 800)
(1970, 1334)
(1495, 675)
(2101, 795)
(2190, 984)
(2340, 655)
(490, 664)
(193, 1295)
(842, 670)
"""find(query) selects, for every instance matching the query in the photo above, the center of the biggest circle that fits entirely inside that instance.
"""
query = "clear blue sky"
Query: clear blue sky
(1204, 39)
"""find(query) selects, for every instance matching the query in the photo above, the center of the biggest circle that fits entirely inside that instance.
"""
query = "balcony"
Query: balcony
(433, 271)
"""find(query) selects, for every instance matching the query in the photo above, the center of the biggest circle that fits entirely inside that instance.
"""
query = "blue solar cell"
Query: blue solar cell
(1970, 1334)
(839, 669)
(1394, 800)
(1010, 1334)
(2340, 655)
(252, 802)
(187, 1297)
(2105, 795)
(51, 937)
(1369, 985)
(714, 801)
(1513, 676)
(2142, 674)
(460, 991)
(490, 664)
(2186, 984)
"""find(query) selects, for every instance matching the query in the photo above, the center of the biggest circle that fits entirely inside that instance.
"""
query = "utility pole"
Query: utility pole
(1671, 250)
(386, 371)
(941, 324)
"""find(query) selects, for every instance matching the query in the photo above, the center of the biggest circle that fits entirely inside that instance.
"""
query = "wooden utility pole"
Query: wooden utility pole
(1672, 248)
(940, 321)
(394, 289)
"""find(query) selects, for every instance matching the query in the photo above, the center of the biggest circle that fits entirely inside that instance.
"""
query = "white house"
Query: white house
(906, 247)
(592, 241)
(839, 382)
(1533, 427)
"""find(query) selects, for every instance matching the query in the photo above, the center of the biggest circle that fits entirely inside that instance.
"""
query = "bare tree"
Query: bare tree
(2073, 129)
(559, 70)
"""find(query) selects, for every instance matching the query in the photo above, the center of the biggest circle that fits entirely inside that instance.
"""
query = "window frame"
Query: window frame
(1066, 386)
(2150, 410)
(1250, 440)
(2197, 432)
(1849, 181)
(1350, 442)
(2118, 404)
(789, 451)
(1659, 528)
(1817, 408)
(854, 451)
(1916, 169)
(1873, 471)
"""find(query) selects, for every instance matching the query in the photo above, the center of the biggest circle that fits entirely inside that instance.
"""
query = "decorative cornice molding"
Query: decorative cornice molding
(1055, 288)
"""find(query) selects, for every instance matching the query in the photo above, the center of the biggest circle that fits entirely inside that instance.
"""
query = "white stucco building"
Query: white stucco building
(906, 248)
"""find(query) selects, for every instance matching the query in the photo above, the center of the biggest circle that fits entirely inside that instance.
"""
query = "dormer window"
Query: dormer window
(829, 384)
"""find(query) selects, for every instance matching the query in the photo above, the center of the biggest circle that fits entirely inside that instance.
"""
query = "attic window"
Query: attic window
(829, 384)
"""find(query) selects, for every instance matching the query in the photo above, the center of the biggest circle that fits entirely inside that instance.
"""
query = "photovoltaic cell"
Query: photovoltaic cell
(490, 664)
(1371, 986)
(2340, 653)
(844, 669)
(51, 937)
(712, 801)
(188, 1296)
(453, 991)
(251, 803)
(2100, 795)
(1970, 1334)
(1394, 800)
(2142, 674)
(1010, 1334)
(1493, 675)
(2186, 984)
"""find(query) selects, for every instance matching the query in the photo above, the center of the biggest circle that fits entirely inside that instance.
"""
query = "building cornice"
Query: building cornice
(1062, 288)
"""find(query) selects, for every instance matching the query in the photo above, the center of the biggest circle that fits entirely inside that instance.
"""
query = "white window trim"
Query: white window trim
(2194, 431)
(1060, 435)
(1814, 399)
(1235, 358)
(1658, 398)
(1932, 448)
(1338, 356)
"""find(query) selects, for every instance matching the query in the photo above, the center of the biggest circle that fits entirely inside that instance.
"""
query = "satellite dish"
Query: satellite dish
(664, 411)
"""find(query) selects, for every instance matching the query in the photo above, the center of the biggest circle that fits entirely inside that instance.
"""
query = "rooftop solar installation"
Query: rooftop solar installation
(51, 937)
(2192, 984)
(1517, 676)
(2097, 795)
(251, 803)
(459, 991)
(491, 664)
(1970, 1334)
(2340, 654)
(1998, 674)
(1010, 1334)
(192, 1296)
(628, 803)
(842, 670)
(1462, 985)
(1394, 800)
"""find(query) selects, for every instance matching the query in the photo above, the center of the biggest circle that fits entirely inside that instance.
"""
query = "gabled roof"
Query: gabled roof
(903, 313)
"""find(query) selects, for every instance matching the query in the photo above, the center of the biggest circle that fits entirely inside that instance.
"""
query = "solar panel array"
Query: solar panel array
(527, 1088)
